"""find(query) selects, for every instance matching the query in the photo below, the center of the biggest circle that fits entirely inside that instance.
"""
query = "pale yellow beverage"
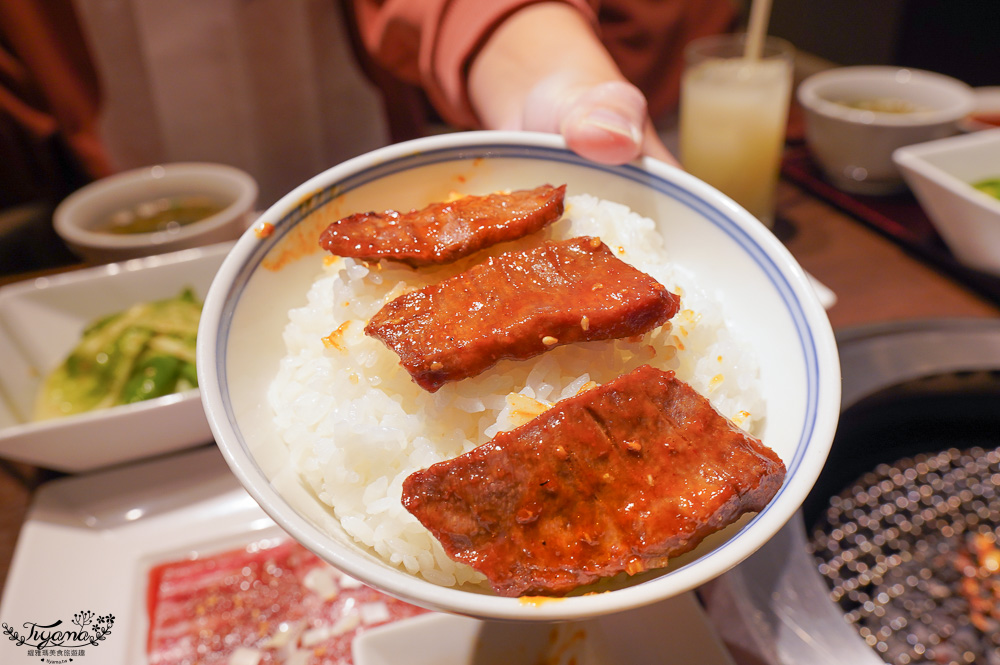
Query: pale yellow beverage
(732, 126)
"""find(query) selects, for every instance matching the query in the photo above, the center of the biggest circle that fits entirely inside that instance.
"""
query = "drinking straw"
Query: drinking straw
(760, 12)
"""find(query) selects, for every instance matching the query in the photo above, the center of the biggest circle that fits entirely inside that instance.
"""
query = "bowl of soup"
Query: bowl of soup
(856, 117)
(155, 210)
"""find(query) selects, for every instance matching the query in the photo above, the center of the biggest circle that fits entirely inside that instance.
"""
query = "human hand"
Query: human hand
(545, 70)
(605, 122)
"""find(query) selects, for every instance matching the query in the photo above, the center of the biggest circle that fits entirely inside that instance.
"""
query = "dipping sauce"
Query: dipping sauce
(991, 118)
(989, 186)
(162, 214)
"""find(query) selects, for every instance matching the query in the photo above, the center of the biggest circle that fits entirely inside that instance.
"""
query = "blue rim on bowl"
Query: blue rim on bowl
(814, 337)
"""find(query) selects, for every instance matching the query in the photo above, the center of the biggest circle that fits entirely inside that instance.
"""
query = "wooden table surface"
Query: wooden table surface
(874, 280)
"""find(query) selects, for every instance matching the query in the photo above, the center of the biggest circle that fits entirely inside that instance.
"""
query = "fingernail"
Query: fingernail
(613, 122)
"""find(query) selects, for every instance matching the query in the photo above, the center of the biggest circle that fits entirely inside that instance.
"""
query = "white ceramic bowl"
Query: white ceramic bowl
(941, 174)
(41, 321)
(986, 114)
(854, 146)
(766, 296)
(77, 219)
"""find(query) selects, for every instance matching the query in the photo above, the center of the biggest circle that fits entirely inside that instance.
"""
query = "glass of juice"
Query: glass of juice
(733, 115)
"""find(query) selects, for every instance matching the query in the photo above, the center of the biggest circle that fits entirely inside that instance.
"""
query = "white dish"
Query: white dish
(987, 103)
(941, 174)
(41, 321)
(765, 295)
(673, 632)
(89, 542)
(826, 295)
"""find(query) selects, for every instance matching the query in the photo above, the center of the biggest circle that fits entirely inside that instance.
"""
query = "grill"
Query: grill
(895, 556)
(910, 554)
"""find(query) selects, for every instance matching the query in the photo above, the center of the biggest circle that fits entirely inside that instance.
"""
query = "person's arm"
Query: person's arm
(544, 69)
(513, 64)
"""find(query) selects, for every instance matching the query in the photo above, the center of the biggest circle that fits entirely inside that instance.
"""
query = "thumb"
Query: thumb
(605, 122)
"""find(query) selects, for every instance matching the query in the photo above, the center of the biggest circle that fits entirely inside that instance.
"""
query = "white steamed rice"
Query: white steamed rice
(356, 425)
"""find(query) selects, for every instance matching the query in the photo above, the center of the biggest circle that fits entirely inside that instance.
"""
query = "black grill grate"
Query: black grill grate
(910, 553)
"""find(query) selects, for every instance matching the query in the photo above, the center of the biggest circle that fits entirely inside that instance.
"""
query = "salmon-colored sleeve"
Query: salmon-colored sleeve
(431, 43)
(646, 40)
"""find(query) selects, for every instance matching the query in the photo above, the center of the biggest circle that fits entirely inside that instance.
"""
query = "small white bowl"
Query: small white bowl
(78, 218)
(853, 146)
(941, 174)
(764, 293)
(41, 321)
(986, 114)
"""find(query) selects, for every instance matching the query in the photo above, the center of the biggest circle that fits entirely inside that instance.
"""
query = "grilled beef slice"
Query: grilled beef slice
(618, 478)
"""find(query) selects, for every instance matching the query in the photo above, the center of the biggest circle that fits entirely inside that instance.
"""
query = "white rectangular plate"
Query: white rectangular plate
(41, 320)
(89, 542)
